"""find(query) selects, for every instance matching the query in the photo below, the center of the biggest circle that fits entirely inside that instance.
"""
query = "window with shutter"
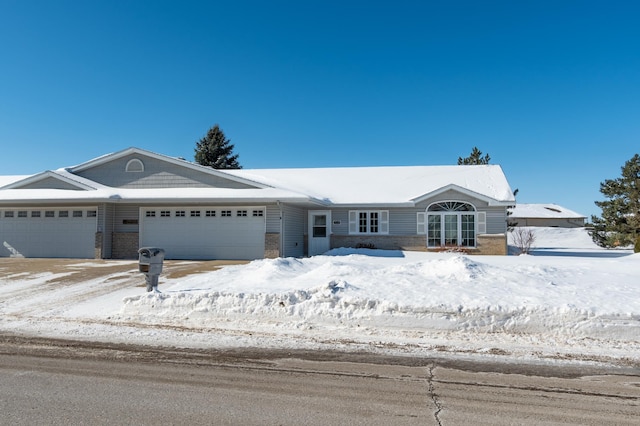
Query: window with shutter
(368, 222)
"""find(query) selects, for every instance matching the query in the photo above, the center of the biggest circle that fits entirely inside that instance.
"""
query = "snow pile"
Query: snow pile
(350, 290)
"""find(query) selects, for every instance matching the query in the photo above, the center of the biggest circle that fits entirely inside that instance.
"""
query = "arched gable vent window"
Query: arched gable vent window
(451, 224)
(451, 206)
(134, 165)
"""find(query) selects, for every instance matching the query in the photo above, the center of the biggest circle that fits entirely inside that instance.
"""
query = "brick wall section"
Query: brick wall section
(492, 244)
(97, 253)
(487, 244)
(271, 245)
(124, 245)
(383, 242)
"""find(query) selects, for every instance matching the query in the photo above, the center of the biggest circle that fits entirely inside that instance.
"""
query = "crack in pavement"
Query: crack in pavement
(433, 395)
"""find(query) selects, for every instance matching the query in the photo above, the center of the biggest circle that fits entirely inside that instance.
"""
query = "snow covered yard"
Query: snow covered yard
(568, 300)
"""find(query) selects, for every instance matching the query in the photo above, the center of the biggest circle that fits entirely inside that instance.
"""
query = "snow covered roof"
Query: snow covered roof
(387, 185)
(352, 186)
(543, 211)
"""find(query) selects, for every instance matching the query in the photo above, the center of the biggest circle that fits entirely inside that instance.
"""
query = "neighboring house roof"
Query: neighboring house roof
(387, 185)
(354, 186)
(543, 211)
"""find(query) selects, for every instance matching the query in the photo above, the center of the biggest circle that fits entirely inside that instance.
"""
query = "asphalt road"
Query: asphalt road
(64, 382)
(55, 383)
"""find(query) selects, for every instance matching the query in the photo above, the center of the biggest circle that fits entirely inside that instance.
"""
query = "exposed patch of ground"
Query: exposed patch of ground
(77, 270)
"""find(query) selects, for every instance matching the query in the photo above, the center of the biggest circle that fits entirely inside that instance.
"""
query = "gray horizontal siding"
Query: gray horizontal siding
(124, 212)
(50, 183)
(496, 220)
(156, 174)
(273, 219)
(294, 230)
(340, 222)
(401, 221)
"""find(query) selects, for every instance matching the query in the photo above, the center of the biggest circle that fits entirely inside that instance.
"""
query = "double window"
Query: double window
(368, 222)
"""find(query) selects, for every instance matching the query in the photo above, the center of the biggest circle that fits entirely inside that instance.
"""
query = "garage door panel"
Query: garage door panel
(205, 237)
(72, 237)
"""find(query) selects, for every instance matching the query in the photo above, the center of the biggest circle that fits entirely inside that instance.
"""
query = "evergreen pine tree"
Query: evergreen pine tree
(620, 221)
(215, 150)
(474, 158)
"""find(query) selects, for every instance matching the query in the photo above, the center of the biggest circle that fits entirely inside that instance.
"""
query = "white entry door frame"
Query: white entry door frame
(319, 232)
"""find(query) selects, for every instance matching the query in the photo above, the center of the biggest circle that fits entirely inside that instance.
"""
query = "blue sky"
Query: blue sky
(549, 89)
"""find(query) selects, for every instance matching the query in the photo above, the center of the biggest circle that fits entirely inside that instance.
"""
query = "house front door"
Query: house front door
(319, 232)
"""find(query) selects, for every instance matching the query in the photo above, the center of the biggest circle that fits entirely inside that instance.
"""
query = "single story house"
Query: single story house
(108, 207)
(551, 215)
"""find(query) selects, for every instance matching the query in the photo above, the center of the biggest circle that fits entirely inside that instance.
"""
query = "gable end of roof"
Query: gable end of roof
(48, 175)
(176, 161)
(489, 200)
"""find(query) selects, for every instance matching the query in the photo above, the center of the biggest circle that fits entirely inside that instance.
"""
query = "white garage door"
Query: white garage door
(205, 232)
(61, 232)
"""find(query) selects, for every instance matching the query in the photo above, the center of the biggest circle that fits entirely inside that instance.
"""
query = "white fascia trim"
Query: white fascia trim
(203, 201)
(51, 202)
(379, 206)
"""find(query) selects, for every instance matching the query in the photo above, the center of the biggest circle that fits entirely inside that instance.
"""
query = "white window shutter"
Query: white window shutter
(353, 221)
(421, 219)
(384, 222)
(482, 222)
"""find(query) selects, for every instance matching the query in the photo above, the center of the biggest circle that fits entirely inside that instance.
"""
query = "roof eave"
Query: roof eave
(374, 205)
(118, 198)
